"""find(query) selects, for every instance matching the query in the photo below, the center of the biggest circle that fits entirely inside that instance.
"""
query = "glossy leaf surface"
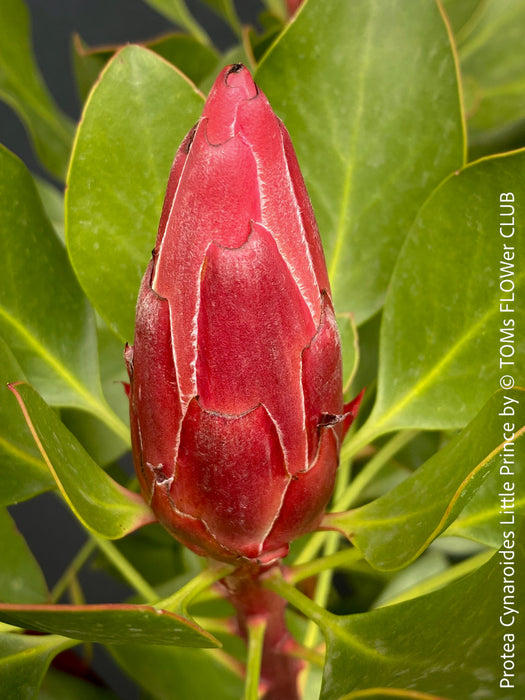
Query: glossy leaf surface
(23, 472)
(353, 78)
(394, 529)
(101, 504)
(44, 317)
(443, 644)
(439, 351)
(22, 87)
(132, 125)
(21, 580)
(109, 624)
(24, 661)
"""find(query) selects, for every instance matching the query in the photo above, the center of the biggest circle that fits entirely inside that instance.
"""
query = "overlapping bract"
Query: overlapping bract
(236, 390)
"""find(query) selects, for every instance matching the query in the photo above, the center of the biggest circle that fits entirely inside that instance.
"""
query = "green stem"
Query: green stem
(132, 576)
(256, 629)
(343, 559)
(178, 601)
(373, 467)
(322, 590)
(276, 583)
(72, 570)
(312, 547)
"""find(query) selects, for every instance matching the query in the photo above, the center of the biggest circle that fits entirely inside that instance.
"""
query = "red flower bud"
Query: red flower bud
(236, 401)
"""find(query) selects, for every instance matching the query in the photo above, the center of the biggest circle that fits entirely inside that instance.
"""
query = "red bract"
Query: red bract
(236, 401)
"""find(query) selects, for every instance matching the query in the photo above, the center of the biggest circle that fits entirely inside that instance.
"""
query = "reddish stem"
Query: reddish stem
(252, 602)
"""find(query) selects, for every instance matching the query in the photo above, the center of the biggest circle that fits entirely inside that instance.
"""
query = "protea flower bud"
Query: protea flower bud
(236, 390)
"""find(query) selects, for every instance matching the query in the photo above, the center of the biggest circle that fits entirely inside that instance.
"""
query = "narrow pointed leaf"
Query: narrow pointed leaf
(439, 362)
(22, 87)
(354, 77)
(23, 472)
(109, 624)
(99, 502)
(24, 661)
(177, 12)
(226, 10)
(21, 579)
(133, 122)
(394, 529)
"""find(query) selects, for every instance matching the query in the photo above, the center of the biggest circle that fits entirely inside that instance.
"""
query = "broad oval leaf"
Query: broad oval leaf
(369, 93)
(109, 624)
(44, 316)
(133, 123)
(397, 527)
(22, 87)
(99, 502)
(21, 579)
(24, 661)
(440, 337)
(23, 472)
(447, 644)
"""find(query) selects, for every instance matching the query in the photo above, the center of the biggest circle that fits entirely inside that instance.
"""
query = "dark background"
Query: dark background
(51, 531)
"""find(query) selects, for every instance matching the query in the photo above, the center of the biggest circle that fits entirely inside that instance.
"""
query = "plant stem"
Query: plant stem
(344, 559)
(312, 547)
(276, 583)
(132, 576)
(253, 603)
(178, 601)
(256, 628)
(72, 570)
(373, 467)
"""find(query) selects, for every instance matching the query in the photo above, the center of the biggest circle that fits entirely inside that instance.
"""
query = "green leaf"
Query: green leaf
(177, 12)
(21, 579)
(109, 624)
(226, 10)
(364, 89)
(22, 87)
(134, 121)
(178, 674)
(482, 518)
(44, 316)
(439, 353)
(101, 504)
(350, 348)
(194, 59)
(63, 686)
(396, 528)
(447, 643)
(492, 58)
(461, 13)
(188, 54)
(53, 202)
(24, 661)
(101, 443)
(18, 452)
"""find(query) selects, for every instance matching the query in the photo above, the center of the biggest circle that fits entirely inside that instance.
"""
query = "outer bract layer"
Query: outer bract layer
(236, 390)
